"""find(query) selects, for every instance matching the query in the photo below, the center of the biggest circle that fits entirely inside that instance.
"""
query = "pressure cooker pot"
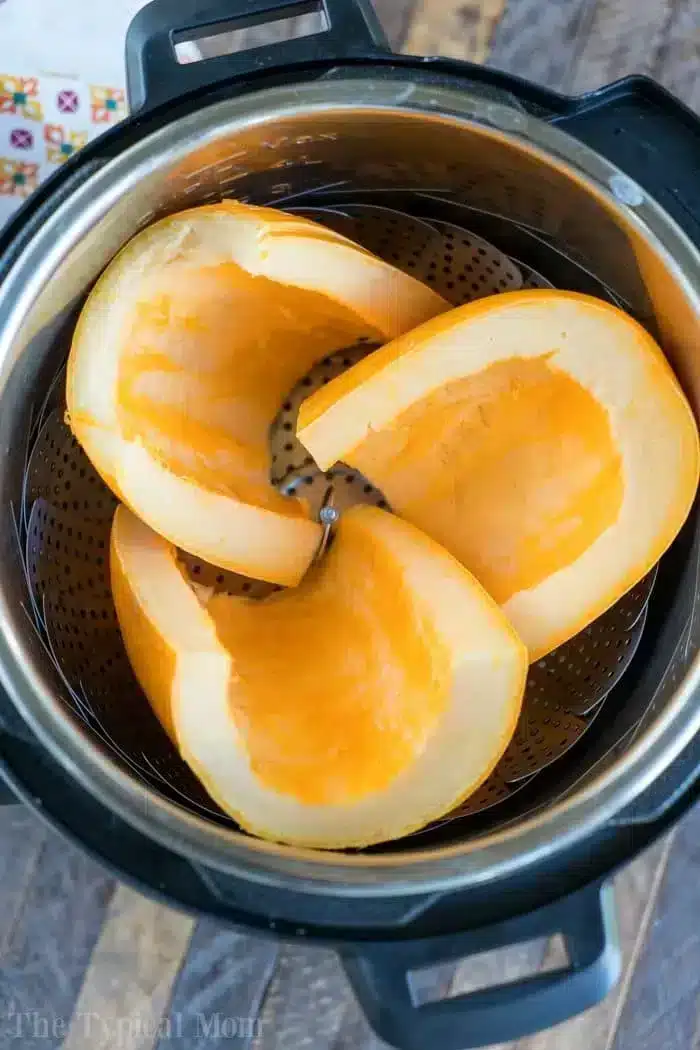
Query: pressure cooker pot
(475, 182)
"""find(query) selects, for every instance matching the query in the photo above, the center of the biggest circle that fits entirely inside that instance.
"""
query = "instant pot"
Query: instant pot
(598, 193)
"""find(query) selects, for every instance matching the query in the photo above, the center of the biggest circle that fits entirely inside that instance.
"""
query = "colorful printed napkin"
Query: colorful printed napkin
(43, 121)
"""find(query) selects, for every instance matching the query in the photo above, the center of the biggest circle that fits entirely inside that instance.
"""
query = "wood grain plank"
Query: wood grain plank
(22, 836)
(128, 982)
(666, 981)
(306, 1001)
(456, 28)
(677, 64)
(695, 1043)
(219, 990)
(396, 17)
(620, 37)
(539, 40)
(310, 1005)
(636, 891)
(50, 944)
(355, 1033)
(671, 1031)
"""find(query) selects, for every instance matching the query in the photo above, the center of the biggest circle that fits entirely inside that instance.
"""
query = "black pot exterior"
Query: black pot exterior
(656, 141)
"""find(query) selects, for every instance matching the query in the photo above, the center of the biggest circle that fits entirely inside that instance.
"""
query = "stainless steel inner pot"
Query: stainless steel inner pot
(540, 197)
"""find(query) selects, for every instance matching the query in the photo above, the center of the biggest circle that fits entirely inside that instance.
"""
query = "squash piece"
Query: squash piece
(184, 352)
(540, 436)
(353, 709)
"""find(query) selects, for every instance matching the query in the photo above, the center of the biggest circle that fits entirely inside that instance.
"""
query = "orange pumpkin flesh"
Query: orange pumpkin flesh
(185, 351)
(541, 437)
(358, 707)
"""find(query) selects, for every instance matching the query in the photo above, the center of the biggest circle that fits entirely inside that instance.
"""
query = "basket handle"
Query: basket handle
(379, 976)
(346, 29)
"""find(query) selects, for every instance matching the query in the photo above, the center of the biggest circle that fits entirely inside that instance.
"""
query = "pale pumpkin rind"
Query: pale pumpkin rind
(352, 710)
(540, 436)
(185, 351)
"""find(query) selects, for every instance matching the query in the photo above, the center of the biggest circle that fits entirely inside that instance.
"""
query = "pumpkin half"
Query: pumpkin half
(184, 352)
(540, 436)
(353, 709)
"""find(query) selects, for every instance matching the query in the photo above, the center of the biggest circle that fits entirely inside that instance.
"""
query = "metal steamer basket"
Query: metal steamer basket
(475, 183)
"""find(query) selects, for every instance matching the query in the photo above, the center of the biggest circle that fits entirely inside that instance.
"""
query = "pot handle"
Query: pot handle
(379, 975)
(348, 29)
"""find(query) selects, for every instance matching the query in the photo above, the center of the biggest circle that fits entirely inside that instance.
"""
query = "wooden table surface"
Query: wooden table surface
(89, 963)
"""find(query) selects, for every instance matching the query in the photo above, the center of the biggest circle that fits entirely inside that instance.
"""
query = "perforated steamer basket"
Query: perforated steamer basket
(463, 178)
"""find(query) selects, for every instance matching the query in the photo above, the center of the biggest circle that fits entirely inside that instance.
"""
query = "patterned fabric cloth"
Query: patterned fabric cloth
(43, 121)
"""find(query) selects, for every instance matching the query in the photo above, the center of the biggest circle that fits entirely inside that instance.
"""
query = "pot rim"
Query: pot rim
(515, 847)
